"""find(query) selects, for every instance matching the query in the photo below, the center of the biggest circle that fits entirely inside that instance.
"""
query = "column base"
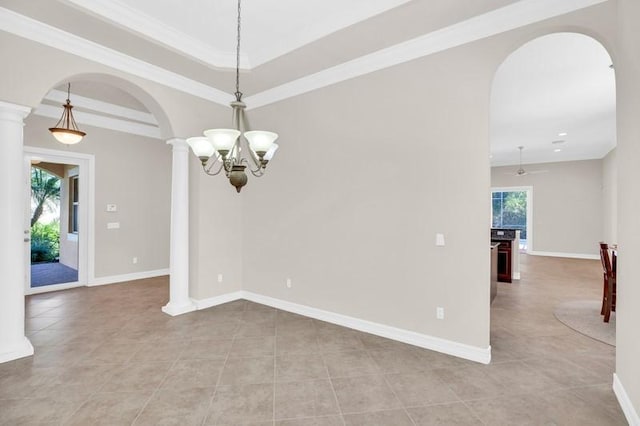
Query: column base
(174, 310)
(21, 350)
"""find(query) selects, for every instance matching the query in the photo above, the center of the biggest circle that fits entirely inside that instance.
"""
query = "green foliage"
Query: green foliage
(510, 211)
(45, 191)
(45, 242)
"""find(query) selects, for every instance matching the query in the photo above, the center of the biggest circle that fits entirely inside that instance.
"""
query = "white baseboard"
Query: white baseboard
(473, 353)
(113, 279)
(568, 255)
(175, 310)
(625, 402)
(217, 300)
(52, 287)
(21, 350)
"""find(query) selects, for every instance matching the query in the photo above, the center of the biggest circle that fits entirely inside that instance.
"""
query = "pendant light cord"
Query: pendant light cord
(238, 92)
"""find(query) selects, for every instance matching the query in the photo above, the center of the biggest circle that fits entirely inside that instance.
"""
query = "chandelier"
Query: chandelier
(66, 130)
(224, 149)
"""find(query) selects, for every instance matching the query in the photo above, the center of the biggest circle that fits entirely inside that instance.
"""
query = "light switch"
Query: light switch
(112, 208)
(440, 239)
(113, 225)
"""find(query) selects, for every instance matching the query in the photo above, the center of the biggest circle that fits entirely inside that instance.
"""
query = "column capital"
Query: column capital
(13, 112)
(178, 144)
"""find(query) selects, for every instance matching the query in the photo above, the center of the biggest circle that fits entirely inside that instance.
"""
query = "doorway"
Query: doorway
(54, 225)
(57, 219)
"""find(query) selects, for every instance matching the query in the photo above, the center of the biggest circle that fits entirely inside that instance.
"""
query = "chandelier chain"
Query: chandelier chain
(238, 93)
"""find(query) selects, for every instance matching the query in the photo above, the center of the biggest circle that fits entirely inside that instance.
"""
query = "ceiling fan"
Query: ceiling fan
(521, 171)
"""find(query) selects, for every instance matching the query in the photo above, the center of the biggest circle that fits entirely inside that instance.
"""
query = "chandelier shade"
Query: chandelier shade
(238, 148)
(66, 130)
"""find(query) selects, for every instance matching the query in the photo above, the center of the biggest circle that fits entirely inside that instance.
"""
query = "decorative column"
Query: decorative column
(179, 301)
(13, 198)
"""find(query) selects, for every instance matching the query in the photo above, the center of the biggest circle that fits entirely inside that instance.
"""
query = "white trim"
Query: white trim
(173, 310)
(625, 402)
(104, 107)
(218, 300)
(114, 279)
(86, 243)
(103, 122)
(515, 15)
(461, 350)
(567, 255)
(47, 35)
(23, 349)
(516, 276)
(135, 21)
(52, 287)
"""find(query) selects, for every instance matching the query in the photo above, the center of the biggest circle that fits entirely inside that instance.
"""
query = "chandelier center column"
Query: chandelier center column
(179, 301)
(15, 233)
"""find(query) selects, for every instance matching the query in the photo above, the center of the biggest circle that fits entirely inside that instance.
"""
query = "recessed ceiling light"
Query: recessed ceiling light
(562, 134)
(557, 150)
(558, 142)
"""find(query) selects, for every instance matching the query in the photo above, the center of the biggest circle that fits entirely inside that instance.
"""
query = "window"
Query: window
(73, 204)
(509, 211)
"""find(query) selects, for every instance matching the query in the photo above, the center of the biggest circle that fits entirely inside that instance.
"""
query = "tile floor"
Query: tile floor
(108, 356)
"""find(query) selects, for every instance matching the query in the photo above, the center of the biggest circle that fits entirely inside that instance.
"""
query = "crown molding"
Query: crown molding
(120, 14)
(103, 107)
(504, 19)
(515, 15)
(47, 35)
(101, 121)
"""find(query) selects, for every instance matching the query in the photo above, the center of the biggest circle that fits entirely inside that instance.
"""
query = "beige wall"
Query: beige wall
(627, 65)
(567, 204)
(610, 197)
(134, 173)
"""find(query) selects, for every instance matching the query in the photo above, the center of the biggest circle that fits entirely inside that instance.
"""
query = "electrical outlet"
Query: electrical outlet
(289, 283)
(440, 312)
(219, 278)
(134, 260)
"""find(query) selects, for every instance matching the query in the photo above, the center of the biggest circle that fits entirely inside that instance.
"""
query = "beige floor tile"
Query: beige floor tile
(109, 409)
(248, 370)
(252, 347)
(420, 388)
(297, 344)
(188, 374)
(137, 377)
(295, 368)
(241, 404)
(379, 418)
(185, 408)
(206, 349)
(365, 393)
(352, 363)
(36, 411)
(445, 414)
(312, 421)
(305, 399)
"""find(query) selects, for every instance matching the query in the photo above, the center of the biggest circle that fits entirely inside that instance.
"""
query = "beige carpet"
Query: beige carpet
(584, 317)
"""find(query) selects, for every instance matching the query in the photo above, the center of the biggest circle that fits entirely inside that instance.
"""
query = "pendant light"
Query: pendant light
(226, 148)
(66, 130)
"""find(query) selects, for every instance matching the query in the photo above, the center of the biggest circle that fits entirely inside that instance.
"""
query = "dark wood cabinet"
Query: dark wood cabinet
(504, 261)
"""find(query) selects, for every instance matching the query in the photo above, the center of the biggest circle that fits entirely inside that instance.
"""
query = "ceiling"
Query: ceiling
(291, 47)
(556, 97)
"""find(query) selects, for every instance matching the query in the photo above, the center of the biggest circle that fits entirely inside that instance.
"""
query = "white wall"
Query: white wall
(610, 197)
(567, 204)
(68, 241)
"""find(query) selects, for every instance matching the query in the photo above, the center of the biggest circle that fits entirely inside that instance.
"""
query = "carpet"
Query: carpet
(584, 317)
(52, 273)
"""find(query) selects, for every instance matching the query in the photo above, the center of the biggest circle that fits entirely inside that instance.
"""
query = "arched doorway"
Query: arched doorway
(553, 130)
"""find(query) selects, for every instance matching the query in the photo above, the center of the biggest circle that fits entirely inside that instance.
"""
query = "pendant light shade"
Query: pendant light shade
(66, 130)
